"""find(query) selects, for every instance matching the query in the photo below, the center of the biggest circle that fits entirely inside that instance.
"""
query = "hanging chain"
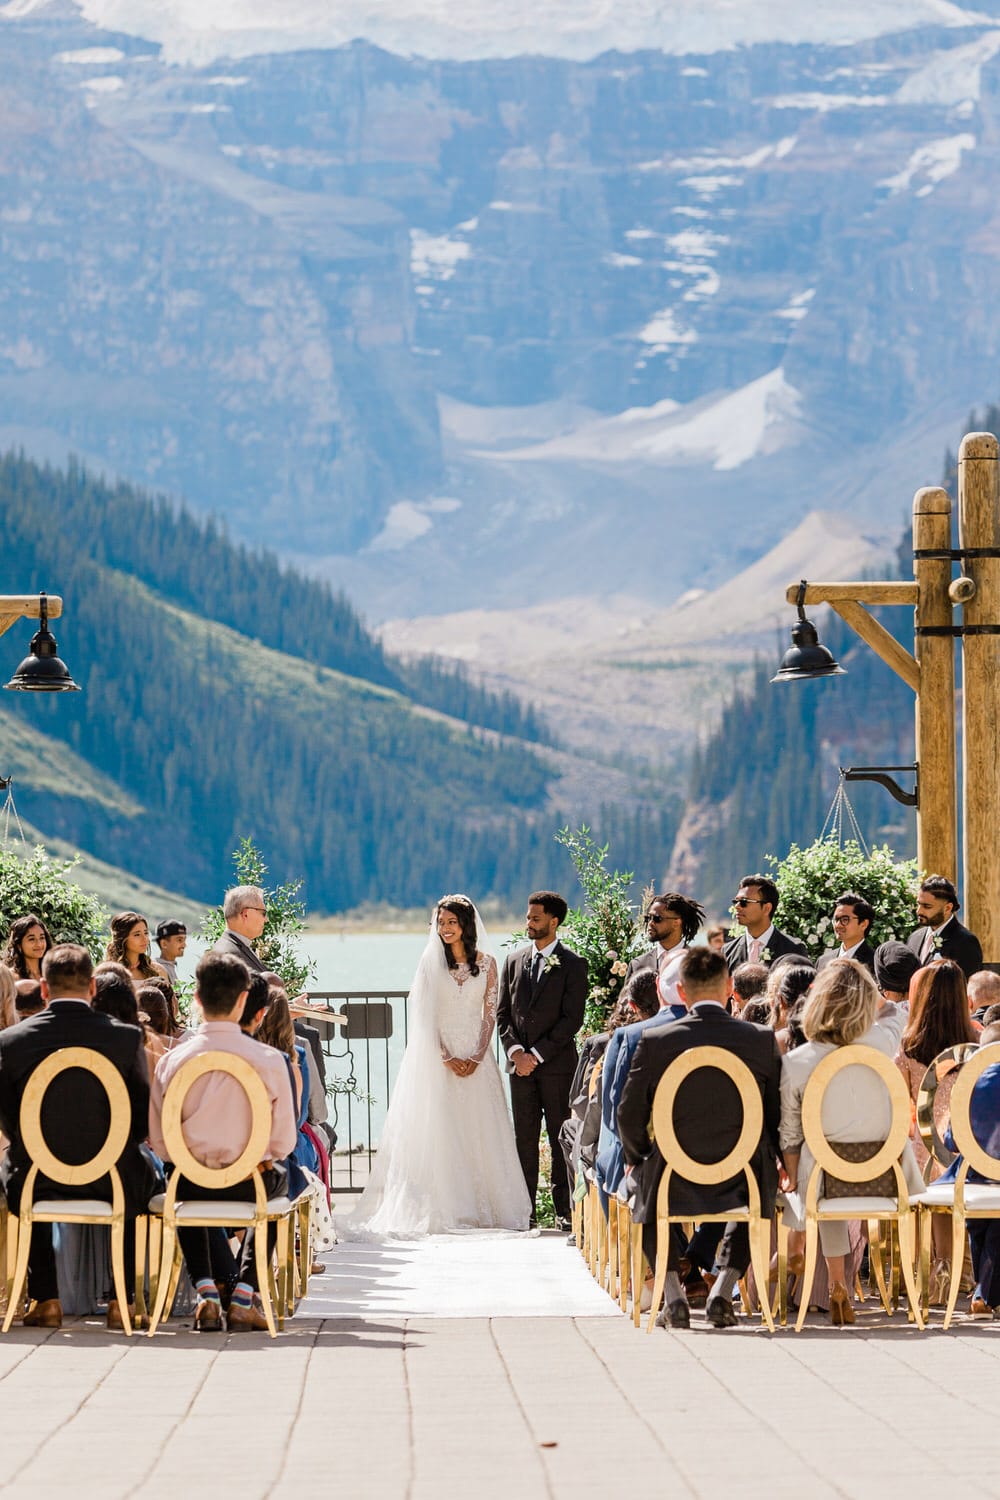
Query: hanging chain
(833, 828)
(8, 809)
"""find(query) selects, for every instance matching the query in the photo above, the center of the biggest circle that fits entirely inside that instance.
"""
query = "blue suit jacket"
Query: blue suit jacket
(984, 1117)
(617, 1061)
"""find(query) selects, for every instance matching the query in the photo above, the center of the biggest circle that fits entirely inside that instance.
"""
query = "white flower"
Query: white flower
(829, 941)
(812, 937)
(612, 953)
(822, 924)
(552, 962)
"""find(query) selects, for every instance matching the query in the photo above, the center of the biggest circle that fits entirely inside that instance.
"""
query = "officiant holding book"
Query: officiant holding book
(540, 1008)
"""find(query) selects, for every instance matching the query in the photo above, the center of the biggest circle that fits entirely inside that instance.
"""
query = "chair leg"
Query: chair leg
(613, 1249)
(169, 1251)
(877, 1263)
(305, 1246)
(637, 1278)
(155, 1250)
(925, 1230)
(141, 1235)
(907, 1255)
(660, 1276)
(782, 1289)
(20, 1269)
(895, 1257)
(13, 1224)
(264, 1273)
(957, 1257)
(118, 1273)
(812, 1245)
(760, 1240)
(624, 1255)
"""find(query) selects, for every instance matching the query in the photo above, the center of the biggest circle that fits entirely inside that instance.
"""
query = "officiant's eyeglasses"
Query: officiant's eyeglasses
(747, 901)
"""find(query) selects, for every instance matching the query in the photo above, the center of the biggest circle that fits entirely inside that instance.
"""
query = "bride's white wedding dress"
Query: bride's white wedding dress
(446, 1162)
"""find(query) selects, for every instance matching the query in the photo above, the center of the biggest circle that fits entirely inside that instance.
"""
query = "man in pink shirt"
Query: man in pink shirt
(216, 1124)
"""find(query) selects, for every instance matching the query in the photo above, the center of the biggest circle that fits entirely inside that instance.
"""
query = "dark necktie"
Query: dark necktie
(536, 970)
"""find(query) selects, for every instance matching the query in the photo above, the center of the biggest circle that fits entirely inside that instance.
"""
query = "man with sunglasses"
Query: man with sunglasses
(760, 942)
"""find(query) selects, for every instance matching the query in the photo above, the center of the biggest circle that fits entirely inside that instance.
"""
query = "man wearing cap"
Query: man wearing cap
(941, 934)
(895, 965)
(171, 938)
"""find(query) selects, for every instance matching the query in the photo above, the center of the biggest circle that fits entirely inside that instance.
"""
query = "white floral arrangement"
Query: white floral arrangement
(810, 880)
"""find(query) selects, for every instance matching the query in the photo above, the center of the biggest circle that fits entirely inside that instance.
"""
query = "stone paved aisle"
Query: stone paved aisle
(559, 1408)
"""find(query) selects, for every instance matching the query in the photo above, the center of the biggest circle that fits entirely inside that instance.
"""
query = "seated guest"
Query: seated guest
(991, 1018)
(116, 997)
(8, 998)
(708, 1120)
(276, 1030)
(216, 1123)
(28, 999)
(852, 920)
(592, 1050)
(940, 932)
(641, 995)
(757, 1012)
(841, 1009)
(895, 965)
(176, 1028)
(938, 1018)
(984, 1234)
(715, 936)
(129, 946)
(984, 992)
(27, 945)
(786, 985)
(74, 1116)
(749, 981)
(318, 1109)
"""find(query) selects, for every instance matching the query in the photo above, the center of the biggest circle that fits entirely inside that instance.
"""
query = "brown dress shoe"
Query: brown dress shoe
(115, 1323)
(208, 1316)
(46, 1314)
(246, 1319)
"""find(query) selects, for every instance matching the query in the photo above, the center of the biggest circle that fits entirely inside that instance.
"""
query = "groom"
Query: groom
(543, 994)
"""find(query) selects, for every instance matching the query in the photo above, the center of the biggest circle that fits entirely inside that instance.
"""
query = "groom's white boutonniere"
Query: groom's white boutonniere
(552, 962)
(936, 943)
(765, 956)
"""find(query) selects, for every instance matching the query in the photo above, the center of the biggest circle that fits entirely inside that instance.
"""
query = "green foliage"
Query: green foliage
(42, 885)
(604, 930)
(277, 946)
(810, 880)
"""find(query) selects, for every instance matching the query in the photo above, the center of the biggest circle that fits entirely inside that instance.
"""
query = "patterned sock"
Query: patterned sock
(673, 1290)
(242, 1295)
(724, 1286)
(207, 1291)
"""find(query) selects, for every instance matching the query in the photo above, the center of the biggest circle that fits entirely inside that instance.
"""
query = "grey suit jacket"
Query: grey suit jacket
(231, 942)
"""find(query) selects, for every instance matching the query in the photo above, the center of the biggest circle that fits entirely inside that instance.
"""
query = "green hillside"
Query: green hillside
(191, 733)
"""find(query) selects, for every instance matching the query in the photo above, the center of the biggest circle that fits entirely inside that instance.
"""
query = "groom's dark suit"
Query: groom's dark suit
(543, 1019)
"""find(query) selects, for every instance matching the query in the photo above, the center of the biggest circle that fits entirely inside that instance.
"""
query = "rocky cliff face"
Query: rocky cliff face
(253, 282)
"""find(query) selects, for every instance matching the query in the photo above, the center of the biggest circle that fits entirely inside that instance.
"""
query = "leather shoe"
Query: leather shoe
(208, 1316)
(674, 1315)
(246, 1319)
(47, 1314)
(563, 1225)
(114, 1319)
(719, 1312)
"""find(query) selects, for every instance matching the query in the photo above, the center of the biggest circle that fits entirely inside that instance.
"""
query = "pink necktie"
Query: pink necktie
(754, 950)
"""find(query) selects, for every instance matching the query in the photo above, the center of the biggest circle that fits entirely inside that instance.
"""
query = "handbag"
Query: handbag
(882, 1186)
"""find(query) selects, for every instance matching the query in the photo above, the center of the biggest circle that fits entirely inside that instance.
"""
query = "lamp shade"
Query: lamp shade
(42, 670)
(805, 657)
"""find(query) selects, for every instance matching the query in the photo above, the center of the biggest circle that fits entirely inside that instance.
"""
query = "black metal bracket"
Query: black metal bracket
(5, 782)
(956, 630)
(880, 774)
(957, 554)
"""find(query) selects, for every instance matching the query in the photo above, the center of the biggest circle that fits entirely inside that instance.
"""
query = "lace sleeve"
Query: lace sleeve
(489, 1009)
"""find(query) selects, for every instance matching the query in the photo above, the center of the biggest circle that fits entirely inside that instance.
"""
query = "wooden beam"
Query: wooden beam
(882, 643)
(859, 593)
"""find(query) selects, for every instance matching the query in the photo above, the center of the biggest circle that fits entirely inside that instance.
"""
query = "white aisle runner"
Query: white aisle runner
(457, 1276)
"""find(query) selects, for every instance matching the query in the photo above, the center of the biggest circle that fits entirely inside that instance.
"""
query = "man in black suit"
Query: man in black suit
(852, 917)
(74, 1115)
(543, 995)
(941, 934)
(708, 1120)
(756, 902)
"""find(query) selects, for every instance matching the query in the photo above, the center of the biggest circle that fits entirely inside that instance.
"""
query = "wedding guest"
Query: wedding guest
(171, 940)
(895, 965)
(852, 920)
(27, 945)
(117, 997)
(276, 1030)
(757, 1013)
(716, 936)
(129, 946)
(755, 904)
(990, 1020)
(216, 1123)
(749, 981)
(786, 984)
(318, 1108)
(709, 1120)
(8, 998)
(29, 998)
(984, 1234)
(75, 1114)
(540, 1008)
(256, 1004)
(938, 1018)
(984, 992)
(176, 1027)
(245, 911)
(642, 999)
(672, 922)
(841, 1009)
(940, 932)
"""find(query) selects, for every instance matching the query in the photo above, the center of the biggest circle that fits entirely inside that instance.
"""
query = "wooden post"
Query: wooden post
(979, 526)
(937, 809)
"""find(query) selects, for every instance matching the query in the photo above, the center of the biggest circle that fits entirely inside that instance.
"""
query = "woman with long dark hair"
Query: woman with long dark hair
(129, 945)
(27, 945)
(446, 1162)
(939, 1018)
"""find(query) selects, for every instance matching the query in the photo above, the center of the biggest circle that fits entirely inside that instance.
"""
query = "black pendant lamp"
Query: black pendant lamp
(42, 670)
(805, 657)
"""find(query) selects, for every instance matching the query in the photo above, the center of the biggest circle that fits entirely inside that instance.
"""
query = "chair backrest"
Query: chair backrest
(974, 1156)
(947, 1064)
(739, 1158)
(37, 1148)
(185, 1163)
(826, 1158)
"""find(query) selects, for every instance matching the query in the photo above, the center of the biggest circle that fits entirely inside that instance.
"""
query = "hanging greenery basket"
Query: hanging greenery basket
(810, 880)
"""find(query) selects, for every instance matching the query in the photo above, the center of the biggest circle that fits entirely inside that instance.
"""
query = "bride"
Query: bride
(446, 1162)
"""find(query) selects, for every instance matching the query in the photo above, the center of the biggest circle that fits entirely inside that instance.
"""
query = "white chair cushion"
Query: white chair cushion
(857, 1208)
(228, 1210)
(156, 1203)
(978, 1195)
(74, 1208)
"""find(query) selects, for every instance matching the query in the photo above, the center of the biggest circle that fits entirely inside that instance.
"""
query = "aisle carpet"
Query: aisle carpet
(457, 1276)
